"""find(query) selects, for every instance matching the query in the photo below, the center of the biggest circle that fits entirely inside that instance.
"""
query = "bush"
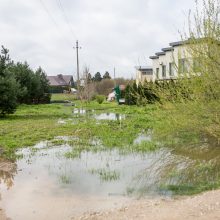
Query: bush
(100, 98)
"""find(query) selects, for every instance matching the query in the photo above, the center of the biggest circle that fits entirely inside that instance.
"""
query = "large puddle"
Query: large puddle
(47, 183)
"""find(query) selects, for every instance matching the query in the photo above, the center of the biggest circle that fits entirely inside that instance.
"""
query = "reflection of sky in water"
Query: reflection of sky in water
(46, 176)
(109, 116)
(74, 175)
(46, 180)
(78, 112)
(143, 137)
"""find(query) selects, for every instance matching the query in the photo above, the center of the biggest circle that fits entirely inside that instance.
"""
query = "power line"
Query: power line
(48, 13)
(70, 27)
(66, 18)
(52, 19)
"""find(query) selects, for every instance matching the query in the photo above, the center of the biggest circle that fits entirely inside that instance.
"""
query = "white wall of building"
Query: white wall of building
(143, 75)
(171, 57)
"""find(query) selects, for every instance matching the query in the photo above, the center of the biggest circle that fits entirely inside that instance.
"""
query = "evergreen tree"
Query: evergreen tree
(42, 87)
(97, 77)
(9, 88)
(106, 75)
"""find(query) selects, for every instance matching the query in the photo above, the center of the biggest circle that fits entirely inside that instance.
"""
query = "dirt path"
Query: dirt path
(205, 206)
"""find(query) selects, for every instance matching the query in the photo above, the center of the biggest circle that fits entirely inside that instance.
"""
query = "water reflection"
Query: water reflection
(109, 116)
(79, 111)
(48, 175)
(8, 170)
(82, 111)
(143, 137)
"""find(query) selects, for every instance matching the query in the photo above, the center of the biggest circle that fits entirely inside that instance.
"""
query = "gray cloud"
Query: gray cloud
(120, 33)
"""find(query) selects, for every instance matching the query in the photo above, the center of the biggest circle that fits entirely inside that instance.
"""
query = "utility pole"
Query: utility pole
(77, 62)
(114, 77)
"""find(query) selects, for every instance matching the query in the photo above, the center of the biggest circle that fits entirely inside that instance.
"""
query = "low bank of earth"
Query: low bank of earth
(200, 207)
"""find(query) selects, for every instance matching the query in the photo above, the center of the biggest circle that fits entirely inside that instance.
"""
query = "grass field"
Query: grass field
(182, 123)
(33, 123)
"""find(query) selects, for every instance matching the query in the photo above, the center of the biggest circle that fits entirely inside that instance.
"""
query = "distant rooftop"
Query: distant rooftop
(60, 80)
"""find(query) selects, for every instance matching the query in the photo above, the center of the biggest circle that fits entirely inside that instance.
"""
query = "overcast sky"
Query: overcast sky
(120, 33)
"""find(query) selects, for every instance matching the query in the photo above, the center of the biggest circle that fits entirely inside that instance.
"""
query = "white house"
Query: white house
(144, 73)
(171, 61)
(176, 60)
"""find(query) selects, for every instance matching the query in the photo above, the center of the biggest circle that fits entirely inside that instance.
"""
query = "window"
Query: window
(147, 72)
(157, 73)
(171, 69)
(183, 65)
(164, 71)
(196, 64)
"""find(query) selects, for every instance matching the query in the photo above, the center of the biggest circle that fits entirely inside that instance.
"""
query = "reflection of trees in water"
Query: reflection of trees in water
(8, 170)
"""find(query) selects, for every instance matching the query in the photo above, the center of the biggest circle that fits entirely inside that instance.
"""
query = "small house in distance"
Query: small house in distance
(143, 73)
(60, 83)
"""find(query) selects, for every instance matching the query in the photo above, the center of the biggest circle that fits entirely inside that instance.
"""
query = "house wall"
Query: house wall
(155, 65)
(170, 57)
(140, 77)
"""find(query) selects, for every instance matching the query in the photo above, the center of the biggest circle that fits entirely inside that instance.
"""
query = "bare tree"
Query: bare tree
(86, 88)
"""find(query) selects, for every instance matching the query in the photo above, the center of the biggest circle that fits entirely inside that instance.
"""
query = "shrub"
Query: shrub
(100, 98)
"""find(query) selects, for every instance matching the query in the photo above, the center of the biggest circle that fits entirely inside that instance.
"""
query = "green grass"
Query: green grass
(33, 123)
(106, 175)
(173, 125)
(64, 179)
(181, 127)
(62, 96)
(192, 189)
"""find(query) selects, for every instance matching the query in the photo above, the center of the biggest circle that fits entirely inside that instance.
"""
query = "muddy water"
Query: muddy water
(45, 184)
(50, 186)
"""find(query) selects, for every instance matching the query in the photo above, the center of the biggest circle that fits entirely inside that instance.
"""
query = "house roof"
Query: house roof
(60, 80)
(160, 53)
(143, 68)
(167, 49)
(178, 43)
(153, 57)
